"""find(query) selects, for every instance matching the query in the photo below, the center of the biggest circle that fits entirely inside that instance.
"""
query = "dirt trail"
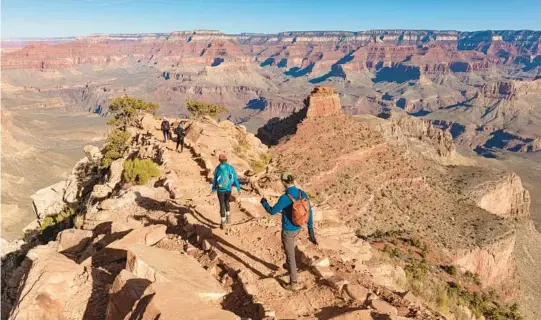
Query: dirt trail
(251, 244)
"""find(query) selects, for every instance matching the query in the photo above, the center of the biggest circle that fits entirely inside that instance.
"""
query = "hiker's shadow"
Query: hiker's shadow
(228, 248)
(172, 212)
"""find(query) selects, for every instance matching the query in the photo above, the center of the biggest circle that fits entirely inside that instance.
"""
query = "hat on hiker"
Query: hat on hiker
(222, 157)
(287, 177)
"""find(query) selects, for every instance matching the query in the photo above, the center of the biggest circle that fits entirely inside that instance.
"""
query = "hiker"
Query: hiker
(224, 178)
(180, 137)
(296, 212)
(165, 129)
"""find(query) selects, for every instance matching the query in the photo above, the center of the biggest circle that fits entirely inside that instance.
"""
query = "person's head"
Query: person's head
(287, 179)
(222, 157)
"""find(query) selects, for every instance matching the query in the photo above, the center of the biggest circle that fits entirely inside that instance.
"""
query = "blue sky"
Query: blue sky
(47, 18)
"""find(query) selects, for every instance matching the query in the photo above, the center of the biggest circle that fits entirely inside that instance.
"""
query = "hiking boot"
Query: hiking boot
(292, 286)
(227, 218)
(222, 225)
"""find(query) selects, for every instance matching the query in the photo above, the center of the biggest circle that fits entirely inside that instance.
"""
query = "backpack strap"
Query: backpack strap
(290, 197)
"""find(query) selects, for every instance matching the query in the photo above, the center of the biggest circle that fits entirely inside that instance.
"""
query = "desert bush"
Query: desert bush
(261, 164)
(140, 171)
(472, 277)
(450, 269)
(47, 222)
(417, 270)
(125, 109)
(115, 146)
(199, 109)
(64, 215)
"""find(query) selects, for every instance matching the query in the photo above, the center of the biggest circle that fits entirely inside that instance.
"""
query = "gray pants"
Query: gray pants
(289, 239)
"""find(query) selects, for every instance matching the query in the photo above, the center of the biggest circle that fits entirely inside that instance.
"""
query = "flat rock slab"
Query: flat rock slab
(125, 292)
(73, 240)
(158, 265)
(170, 301)
(55, 288)
(117, 250)
(383, 307)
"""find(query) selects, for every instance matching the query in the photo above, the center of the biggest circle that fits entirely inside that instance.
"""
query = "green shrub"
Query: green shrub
(482, 305)
(48, 221)
(140, 171)
(417, 270)
(260, 165)
(472, 277)
(124, 110)
(115, 146)
(450, 270)
(200, 109)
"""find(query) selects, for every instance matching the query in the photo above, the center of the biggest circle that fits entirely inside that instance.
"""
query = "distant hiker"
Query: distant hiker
(296, 212)
(180, 137)
(224, 178)
(165, 130)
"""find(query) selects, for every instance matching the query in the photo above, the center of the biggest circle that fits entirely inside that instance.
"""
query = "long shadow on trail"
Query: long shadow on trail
(225, 246)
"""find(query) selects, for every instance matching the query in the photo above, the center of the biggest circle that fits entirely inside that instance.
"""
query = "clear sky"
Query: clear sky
(48, 18)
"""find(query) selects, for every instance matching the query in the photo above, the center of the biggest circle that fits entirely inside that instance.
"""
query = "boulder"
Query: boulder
(124, 293)
(117, 250)
(49, 200)
(357, 292)
(101, 191)
(72, 190)
(411, 298)
(172, 301)
(115, 173)
(158, 265)
(93, 153)
(248, 280)
(383, 307)
(73, 240)
(54, 288)
(118, 203)
(10, 246)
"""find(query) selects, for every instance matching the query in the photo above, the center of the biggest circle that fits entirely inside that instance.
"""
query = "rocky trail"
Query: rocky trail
(249, 247)
(156, 250)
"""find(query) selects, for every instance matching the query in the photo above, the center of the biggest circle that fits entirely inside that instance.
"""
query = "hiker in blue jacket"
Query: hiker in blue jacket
(224, 178)
(289, 230)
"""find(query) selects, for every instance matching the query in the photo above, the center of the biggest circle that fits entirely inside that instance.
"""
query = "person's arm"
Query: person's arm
(311, 234)
(235, 179)
(283, 202)
(310, 218)
(214, 181)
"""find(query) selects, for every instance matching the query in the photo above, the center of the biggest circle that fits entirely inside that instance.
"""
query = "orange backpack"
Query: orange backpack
(301, 210)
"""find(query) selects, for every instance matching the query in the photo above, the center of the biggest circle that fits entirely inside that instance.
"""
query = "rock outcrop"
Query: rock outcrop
(322, 102)
(55, 287)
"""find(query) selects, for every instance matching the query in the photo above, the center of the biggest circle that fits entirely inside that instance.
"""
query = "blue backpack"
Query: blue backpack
(225, 177)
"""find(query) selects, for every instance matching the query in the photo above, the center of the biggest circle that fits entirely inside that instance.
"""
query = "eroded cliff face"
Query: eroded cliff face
(505, 196)
(493, 262)
(406, 127)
